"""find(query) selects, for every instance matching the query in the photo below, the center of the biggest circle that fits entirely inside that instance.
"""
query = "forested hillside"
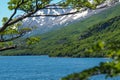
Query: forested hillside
(79, 39)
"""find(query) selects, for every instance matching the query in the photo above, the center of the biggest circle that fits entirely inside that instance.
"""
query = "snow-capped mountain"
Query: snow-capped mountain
(44, 24)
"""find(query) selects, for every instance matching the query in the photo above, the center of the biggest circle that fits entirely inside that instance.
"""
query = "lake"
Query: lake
(43, 67)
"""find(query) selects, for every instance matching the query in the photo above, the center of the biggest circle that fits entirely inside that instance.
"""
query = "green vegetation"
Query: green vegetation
(76, 40)
(110, 69)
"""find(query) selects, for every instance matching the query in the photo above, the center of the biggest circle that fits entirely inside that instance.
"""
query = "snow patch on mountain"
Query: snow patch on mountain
(45, 24)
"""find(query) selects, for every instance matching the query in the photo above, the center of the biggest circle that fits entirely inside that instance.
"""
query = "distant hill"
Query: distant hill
(74, 39)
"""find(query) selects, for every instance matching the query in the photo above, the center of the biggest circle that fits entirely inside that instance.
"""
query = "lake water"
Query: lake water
(43, 67)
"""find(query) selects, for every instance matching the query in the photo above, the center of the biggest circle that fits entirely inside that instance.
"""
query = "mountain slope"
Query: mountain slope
(67, 41)
(45, 24)
(110, 34)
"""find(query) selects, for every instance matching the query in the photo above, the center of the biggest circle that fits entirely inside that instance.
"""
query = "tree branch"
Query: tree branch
(56, 14)
(8, 48)
(86, 74)
(22, 17)
(20, 34)
(13, 38)
(15, 11)
(75, 12)
(36, 5)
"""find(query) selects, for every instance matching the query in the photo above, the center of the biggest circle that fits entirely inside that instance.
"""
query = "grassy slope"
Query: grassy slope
(66, 41)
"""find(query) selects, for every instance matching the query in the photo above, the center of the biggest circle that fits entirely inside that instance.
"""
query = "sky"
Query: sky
(4, 12)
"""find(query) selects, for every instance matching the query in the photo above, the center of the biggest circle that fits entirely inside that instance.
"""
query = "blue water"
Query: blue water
(43, 67)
